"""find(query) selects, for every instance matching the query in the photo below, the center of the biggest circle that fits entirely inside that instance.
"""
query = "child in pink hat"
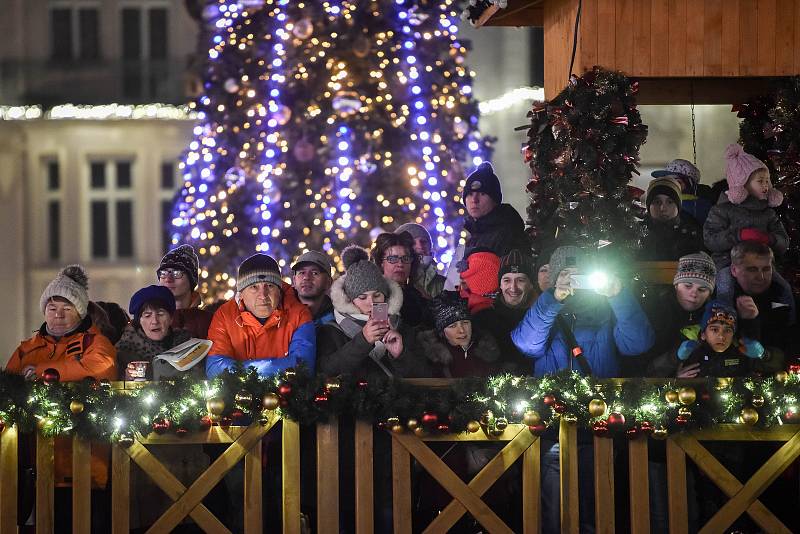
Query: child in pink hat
(744, 212)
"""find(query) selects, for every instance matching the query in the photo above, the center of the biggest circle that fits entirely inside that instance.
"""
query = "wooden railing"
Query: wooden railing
(244, 444)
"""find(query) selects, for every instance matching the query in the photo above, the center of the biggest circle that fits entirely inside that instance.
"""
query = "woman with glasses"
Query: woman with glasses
(394, 254)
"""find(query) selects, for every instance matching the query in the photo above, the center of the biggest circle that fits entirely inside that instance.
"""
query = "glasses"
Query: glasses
(177, 274)
(396, 259)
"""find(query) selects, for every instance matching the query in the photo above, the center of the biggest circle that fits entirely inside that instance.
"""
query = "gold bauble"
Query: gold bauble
(671, 396)
(215, 406)
(723, 383)
(749, 416)
(397, 429)
(412, 424)
(684, 411)
(570, 418)
(76, 407)
(597, 407)
(501, 423)
(392, 422)
(687, 395)
(420, 432)
(474, 426)
(781, 376)
(758, 401)
(660, 433)
(531, 418)
(271, 401)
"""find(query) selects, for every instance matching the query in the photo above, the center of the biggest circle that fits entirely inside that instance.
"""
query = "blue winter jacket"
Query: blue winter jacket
(613, 326)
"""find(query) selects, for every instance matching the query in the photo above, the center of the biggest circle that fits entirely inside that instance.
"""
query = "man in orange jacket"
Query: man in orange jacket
(265, 326)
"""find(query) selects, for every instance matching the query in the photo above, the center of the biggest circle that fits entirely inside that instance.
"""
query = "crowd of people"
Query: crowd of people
(498, 309)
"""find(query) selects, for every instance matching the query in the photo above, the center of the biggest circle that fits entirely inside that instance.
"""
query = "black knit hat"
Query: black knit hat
(361, 274)
(256, 269)
(483, 180)
(183, 258)
(517, 262)
(447, 309)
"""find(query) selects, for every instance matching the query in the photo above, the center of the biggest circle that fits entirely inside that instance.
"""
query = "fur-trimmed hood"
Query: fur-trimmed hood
(342, 304)
(439, 351)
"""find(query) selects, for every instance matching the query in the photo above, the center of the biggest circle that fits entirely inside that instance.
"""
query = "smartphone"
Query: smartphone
(380, 311)
(589, 281)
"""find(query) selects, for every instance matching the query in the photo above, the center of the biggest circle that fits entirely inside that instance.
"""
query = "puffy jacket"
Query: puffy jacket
(284, 340)
(500, 230)
(603, 328)
(726, 219)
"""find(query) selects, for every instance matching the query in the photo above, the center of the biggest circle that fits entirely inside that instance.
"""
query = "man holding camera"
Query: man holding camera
(583, 323)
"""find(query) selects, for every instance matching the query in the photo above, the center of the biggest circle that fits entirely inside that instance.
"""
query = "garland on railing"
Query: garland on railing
(92, 409)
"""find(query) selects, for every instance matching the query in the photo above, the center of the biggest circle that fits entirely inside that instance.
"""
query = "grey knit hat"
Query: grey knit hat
(256, 269)
(417, 231)
(697, 268)
(564, 257)
(71, 284)
(183, 258)
(361, 274)
(449, 309)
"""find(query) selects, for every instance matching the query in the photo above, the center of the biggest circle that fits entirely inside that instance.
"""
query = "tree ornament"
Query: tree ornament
(181, 431)
(646, 427)
(757, 401)
(244, 400)
(205, 423)
(781, 376)
(597, 407)
(361, 46)
(559, 407)
(685, 411)
(600, 428)
(537, 430)
(791, 415)
(50, 376)
(76, 407)
(215, 407)
(501, 423)
(304, 152)
(671, 396)
(303, 28)
(794, 368)
(125, 440)
(346, 103)
(392, 421)
(321, 399)
(660, 433)
(531, 418)
(570, 418)
(473, 426)
(285, 389)
(687, 395)
(231, 85)
(616, 421)
(485, 419)
(681, 420)
(749, 416)
(332, 384)
(160, 425)
(549, 400)
(412, 424)
(429, 419)
(270, 401)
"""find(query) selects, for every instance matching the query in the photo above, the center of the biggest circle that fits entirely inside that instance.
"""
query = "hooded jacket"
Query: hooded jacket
(338, 353)
(726, 219)
(283, 341)
(481, 358)
(500, 230)
(603, 327)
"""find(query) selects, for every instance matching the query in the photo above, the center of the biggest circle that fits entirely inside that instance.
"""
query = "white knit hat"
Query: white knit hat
(71, 284)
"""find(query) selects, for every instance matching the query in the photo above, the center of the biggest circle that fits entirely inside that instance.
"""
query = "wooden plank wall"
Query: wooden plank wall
(673, 38)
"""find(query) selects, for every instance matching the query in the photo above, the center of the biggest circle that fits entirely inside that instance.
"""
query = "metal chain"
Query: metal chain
(694, 130)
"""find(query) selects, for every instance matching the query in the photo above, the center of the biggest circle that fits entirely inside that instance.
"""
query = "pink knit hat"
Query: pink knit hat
(739, 165)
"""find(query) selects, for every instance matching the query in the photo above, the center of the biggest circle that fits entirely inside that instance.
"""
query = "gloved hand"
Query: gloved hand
(753, 349)
(686, 349)
(753, 234)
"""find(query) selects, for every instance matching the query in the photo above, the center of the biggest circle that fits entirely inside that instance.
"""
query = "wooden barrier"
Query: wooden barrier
(519, 446)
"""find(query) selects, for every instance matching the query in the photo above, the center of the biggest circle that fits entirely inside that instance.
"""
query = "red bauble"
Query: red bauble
(794, 368)
(537, 429)
(321, 399)
(616, 421)
(50, 376)
(284, 390)
(205, 423)
(791, 416)
(559, 407)
(681, 420)
(181, 431)
(160, 425)
(646, 427)
(430, 419)
(443, 428)
(600, 429)
(549, 400)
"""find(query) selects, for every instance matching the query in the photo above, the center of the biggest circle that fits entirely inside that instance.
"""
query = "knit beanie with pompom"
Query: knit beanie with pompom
(361, 275)
(739, 165)
(72, 284)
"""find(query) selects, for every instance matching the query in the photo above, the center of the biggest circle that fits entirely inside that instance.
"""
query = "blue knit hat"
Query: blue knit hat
(151, 294)
(719, 312)
(483, 180)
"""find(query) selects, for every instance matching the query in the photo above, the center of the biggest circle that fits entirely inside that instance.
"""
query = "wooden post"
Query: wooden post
(120, 490)
(291, 477)
(401, 489)
(44, 484)
(8, 480)
(532, 488)
(604, 485)
(364, 482)
(328, 477)
(639, 487)
(676, 484)
(253, 515)
(568, 463)
(81, 486)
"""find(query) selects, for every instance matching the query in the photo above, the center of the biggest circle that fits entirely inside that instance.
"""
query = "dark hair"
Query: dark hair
(387, 240)
(153, 305)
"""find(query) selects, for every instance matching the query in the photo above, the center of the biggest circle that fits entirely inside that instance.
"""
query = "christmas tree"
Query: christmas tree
(583, 150)
(770, 130)
(323, 123)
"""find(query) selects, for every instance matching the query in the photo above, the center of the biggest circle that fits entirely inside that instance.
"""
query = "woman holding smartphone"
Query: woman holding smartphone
(368, 338)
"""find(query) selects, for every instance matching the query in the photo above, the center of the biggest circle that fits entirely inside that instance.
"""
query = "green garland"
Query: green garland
(635, 407)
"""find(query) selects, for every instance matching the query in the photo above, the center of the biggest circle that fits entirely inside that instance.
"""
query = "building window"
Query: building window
(167, 195)
(52, 197)
(111, 209)
(145, 33)
(75, 33)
